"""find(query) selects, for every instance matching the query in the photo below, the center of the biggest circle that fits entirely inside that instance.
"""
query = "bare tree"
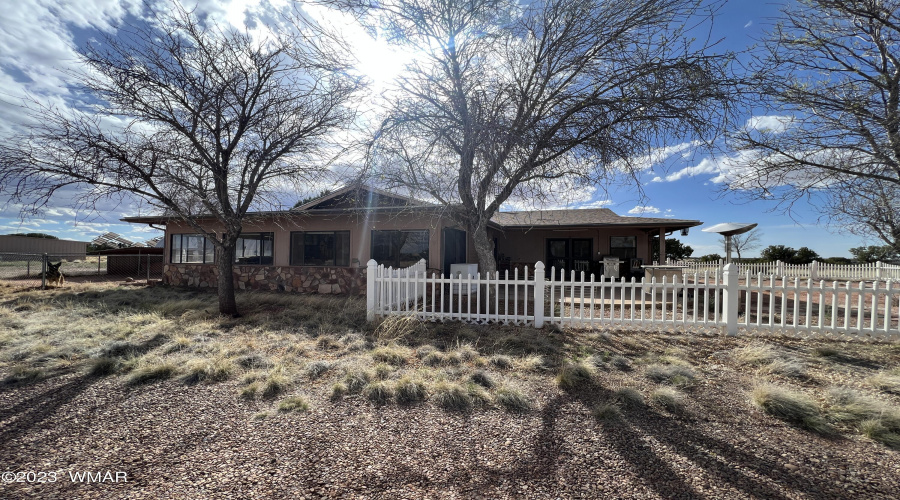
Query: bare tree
(507, 98)
(830, 69)
(201, 121)
(743, 242)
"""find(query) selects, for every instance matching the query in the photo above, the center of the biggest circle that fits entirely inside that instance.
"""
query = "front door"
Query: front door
(454, 248)
(569, 254)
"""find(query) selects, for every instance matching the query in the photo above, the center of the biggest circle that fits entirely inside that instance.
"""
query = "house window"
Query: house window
(623, 247)
(320, 248)
(254, 248)
(399, 248)
(191, 249)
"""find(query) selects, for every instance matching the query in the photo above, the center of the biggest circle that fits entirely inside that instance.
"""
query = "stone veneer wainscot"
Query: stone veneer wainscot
(323, 280)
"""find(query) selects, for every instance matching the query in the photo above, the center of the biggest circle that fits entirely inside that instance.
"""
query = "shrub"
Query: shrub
(251, 390)
(574, 376)
(409, 391)
(790, 406)
(253, 362)
(338, 390)
(876, 430)
(433, 358)
(788, 367)
(479, 396)
(293, 403)
(276, 383)
(621, 363)
(512, 399)
(755, 354)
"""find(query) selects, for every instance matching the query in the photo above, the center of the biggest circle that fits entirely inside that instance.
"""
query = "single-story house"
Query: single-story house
(323, 246)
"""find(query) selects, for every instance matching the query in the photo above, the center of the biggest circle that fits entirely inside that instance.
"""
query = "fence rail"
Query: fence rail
(28, 269)
(712, 300)
(815, 270)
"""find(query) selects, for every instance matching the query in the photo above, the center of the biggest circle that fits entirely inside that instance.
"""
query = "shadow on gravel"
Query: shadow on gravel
(730, 464)
(30, 413)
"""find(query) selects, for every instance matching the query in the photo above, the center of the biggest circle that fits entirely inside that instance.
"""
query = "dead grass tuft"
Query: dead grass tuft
(512, 399)
(452, 397)
(208, 370)
(483, 378)
(677, 375)
(379, 392)
(629, 397)
(151, 369)
(575, 376)
(885, 381)
(791, 406)
(607, 412)
(668, 398)
(410, 391)
(755, 354)
(391, 354)
(293, 404)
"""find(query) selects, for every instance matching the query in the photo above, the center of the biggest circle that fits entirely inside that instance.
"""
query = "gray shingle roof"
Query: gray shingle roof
(583, 217)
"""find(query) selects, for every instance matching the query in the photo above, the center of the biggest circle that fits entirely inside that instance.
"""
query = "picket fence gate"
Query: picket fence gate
(726, 301)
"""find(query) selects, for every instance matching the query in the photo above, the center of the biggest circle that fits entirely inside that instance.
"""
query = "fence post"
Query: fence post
(878, 267)
(539, 284)
(44, 259)
(814, 270)
(370, 289)
(779, 268)
(730, 276)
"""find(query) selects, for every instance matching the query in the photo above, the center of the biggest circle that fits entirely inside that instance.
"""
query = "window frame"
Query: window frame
(303, 253)
(635, 247)
(207, 247)
(260, 244)
(395, 258)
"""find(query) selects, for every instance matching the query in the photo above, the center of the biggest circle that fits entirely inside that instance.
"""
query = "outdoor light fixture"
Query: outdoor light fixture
(729, 229)
(684, 232)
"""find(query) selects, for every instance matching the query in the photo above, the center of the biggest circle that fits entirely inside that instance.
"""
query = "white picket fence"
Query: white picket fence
(814, 270)
(709, 301)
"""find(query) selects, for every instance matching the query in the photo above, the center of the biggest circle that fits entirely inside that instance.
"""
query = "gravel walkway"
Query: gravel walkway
(177, 441)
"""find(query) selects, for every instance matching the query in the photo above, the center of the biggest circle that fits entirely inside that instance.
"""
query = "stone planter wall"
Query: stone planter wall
(323, 280)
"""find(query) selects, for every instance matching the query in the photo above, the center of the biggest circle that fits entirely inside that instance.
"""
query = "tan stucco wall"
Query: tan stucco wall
(531, 246)
(360, 232)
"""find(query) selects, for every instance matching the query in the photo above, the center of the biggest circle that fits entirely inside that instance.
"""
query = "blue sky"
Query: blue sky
(36, 49)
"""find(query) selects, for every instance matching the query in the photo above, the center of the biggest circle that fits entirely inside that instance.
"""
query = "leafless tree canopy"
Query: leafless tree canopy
(743, 243)
(831, 69)
(197, 119)
(506, 98)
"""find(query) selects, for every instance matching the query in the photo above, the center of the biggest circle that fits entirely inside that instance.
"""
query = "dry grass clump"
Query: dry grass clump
(620, 363)
(316, 369)
(669, 399)
(483, 378)
(293, 403)
(575, 376)
(825, 351)
(789, 367)
(397, 326)
(886, 381)
(339, 390)
(537, 363)
(410, 391)
(629, 397)
(253, 361)
(379, 392)
(104, 366)
(512, 399)
(208, 370)
(23, 374)
(755, 354)
(791, 406)
(392, 354)
(276, 382)
(677, 375)
(150, 369)
(873, 418)
(433, 358)
(357, 379)
(480, 397)
(607, 412)
(501, 362)
(876, 430)
(468, 353)
(327, 343)
(452, 396)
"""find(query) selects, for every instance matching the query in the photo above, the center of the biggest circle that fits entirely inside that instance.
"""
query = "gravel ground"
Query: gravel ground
(202, 441)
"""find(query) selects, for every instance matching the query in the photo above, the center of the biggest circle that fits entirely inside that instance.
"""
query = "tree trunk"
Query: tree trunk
(484, 247)
(225, 266)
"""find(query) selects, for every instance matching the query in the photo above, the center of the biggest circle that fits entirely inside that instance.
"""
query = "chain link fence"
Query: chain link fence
(29, 269)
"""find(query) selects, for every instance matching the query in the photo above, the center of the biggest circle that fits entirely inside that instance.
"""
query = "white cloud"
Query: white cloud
(769, 123)
(749, 23)
(644, 209)
(658, 155)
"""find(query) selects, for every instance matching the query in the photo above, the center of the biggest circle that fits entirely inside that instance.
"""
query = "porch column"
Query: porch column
(662, 246)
